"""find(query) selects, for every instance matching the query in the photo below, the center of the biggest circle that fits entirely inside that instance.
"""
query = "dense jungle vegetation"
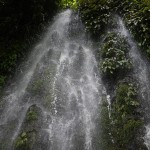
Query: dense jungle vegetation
(23, 20)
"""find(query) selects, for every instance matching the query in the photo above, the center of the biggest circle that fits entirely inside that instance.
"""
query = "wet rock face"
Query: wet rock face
(31, 135)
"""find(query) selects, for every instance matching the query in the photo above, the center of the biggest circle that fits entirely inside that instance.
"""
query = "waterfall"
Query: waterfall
(61, 78)
(141, 73)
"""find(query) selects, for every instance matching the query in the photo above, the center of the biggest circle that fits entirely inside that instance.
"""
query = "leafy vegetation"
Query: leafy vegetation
(136, 15)
(114, 54)
(30, 128)
(32, 115)
(120, 123)
(125, 120)
(68, 4)
(25, 140)
(22, 142)
(137, 19)
(95, 15)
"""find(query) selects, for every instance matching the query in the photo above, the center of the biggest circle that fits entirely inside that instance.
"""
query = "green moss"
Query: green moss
(22, 142)
(29, 133)
(32, 115)
(25, 140)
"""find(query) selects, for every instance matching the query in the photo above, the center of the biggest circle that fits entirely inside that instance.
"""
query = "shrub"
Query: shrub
(125, 124)
(136, 15)
(95, 15)
(114, 54)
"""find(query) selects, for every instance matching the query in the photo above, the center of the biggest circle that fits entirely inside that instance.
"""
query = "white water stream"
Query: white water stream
(64, 65)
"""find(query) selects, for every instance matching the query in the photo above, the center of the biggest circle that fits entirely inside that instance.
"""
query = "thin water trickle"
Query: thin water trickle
(63, 80)
(141, 73)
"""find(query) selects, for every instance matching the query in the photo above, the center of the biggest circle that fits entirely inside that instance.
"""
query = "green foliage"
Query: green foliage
(95, 15)
(22, 142)
(138, 24)
(125, 124)
(136, 15)
(126, 98)
(69, 3)
(32, 115)
(114, 54)
(30, 128)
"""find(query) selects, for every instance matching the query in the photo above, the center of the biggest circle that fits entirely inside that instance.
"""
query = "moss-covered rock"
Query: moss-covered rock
(22, 142)
(126, 123)
(114, 54)
(31, 134)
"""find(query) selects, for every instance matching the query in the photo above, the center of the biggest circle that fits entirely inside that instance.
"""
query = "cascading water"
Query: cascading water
(141, 73)
(61, 78)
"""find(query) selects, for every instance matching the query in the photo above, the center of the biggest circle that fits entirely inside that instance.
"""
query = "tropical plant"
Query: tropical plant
(114, 52)
(125, 124)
